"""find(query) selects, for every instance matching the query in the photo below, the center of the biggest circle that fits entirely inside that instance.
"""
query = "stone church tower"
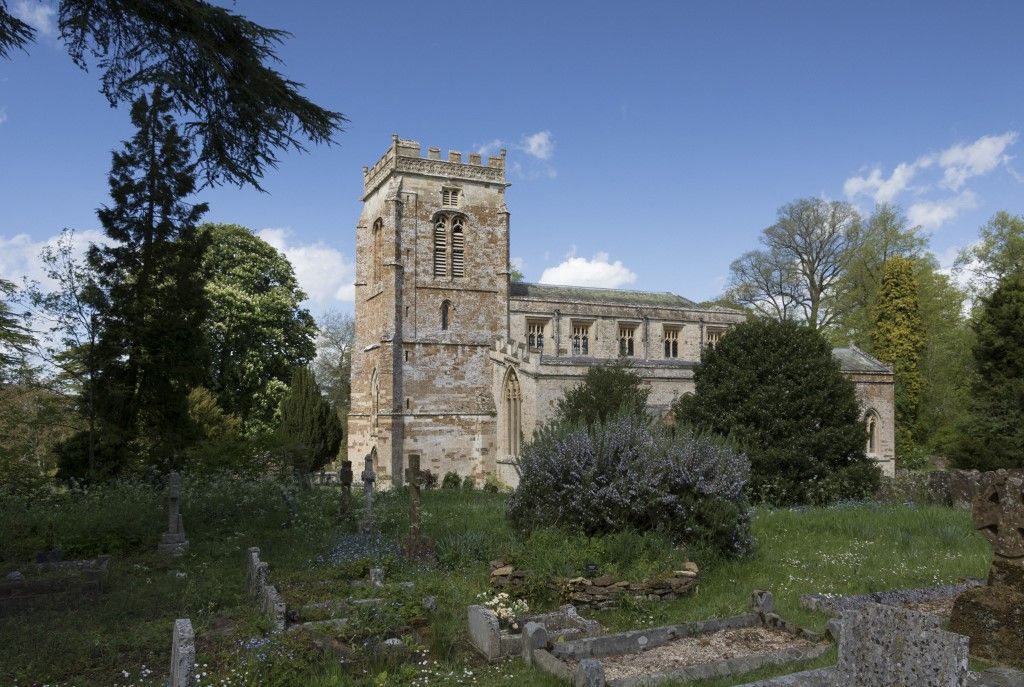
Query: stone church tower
(431, 297)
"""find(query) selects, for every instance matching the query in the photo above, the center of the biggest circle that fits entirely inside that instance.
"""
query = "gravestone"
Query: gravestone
(183, 654)
(416, 545)
(173, 541)
(369, 477)
(887, 645)
(345, 498)
(993, 615)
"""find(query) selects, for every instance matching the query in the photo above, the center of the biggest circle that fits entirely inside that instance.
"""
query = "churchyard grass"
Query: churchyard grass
(844, 549)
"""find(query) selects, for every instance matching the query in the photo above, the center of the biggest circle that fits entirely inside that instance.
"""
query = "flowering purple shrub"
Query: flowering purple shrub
(622, 475)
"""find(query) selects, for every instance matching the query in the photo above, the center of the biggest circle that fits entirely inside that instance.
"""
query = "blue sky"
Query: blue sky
(649, 142)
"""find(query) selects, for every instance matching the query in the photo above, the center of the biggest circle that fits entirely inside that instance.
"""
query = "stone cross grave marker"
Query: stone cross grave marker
(368, 476)
(173, 541)
(345, 500)
(416, 545)
(999, 515)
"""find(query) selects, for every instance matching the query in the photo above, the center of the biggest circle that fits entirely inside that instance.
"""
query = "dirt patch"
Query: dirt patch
(705, 648)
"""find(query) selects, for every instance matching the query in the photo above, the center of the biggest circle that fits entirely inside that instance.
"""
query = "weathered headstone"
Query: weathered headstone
(993, 616)
(589, 673)
(416, 544)
(173, 541)
(368, 477)
(535, 636)
(345, 498)
(183, 654)
(887, 645)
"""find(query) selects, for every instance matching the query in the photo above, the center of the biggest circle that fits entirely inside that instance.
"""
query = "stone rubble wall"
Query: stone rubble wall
(599, 592)
(956, 488)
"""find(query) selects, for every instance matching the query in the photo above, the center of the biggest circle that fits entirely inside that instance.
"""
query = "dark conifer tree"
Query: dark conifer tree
(151, 350)
(309, 428)
(993, 437)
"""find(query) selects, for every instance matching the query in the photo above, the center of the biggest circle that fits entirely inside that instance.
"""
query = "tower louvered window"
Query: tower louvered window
(458, 249)
(441, 247)
(450, 197)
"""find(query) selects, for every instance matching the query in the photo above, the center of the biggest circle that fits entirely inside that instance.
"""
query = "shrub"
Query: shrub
(775, 388)
(451, 481)
(429, 479)
(468, 483)
(622, 475)
(492, 484)
(606, 391)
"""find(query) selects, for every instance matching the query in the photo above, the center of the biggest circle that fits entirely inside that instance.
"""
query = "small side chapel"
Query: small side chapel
(456, 365)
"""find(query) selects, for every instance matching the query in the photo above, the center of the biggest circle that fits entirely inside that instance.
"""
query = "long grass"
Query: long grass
(851, 549)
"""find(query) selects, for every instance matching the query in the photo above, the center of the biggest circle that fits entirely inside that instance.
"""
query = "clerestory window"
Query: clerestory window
(535, 335)
(671, 342)
(581, 338)
(626, 334)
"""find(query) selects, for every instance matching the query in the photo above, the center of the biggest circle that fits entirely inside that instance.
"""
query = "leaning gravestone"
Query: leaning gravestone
(183, 654)
(369, 477)
(993, 615)
(345, 498)
(173, 541)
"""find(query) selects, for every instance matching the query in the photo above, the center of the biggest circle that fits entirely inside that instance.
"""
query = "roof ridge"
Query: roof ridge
(599, 288)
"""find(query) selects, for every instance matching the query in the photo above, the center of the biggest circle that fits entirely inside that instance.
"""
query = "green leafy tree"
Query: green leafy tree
(606, 391)
(774, 388)
(999, 252)
(256, 327)
(151, 305)
(15, 337)
(899, 340)
(994, 436)
(309, 429)
(217, 65)
(886, 235)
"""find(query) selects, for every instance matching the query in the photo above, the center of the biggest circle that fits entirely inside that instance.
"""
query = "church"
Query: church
(456, 363)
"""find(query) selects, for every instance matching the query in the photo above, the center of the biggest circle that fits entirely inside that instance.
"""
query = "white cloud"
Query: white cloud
(491, 147)
(964, 161)
(934, 213)
(38, 15)
(958, 164)
(598, 271)
(19, 254)
(881, 189)
(539, 145)
(324, 273)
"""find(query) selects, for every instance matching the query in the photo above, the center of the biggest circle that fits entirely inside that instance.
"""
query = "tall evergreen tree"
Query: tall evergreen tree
(309, 428)
(994, 436)
(899, 341)
(151, 348)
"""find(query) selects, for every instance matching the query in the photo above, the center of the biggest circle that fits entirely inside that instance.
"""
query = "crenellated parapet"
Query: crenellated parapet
(405, 157)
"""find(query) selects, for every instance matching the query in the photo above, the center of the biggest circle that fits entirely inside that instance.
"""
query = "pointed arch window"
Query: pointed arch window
(378, 250)
(872, 431)
(458, 248)
(446, 315)
(441, 246)
(513, 406)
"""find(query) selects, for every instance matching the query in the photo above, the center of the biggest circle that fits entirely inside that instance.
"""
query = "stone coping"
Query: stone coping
(494, 643)
(552, 657)
(834, 604)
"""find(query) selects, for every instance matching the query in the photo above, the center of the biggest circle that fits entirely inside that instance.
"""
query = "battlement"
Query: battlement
(405, 157)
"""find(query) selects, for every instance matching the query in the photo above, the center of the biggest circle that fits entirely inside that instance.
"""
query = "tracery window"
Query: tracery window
(581, 338)
(626, 333)
(671, 342)
(449, 245)
(713, 335)
(513, 400)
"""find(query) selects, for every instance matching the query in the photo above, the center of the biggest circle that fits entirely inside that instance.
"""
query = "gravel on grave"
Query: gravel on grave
(699, 649)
